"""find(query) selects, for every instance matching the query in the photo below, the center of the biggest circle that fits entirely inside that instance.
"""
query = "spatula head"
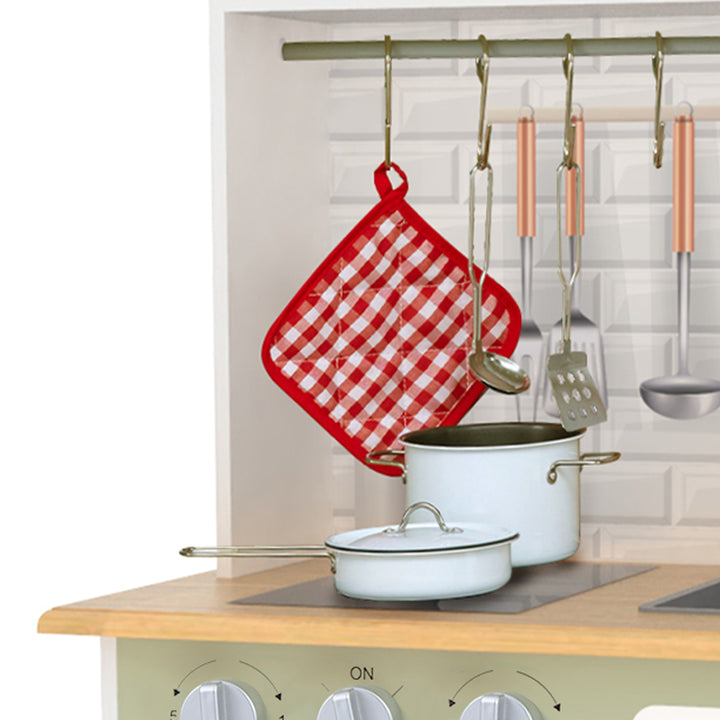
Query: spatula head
(576, 395)
(586, 337)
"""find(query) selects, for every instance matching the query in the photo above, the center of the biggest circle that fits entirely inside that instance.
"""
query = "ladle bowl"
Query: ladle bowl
(498, 372)
(681, 396)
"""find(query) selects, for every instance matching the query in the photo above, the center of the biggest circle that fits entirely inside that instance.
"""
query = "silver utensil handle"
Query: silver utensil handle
(478, 284)
(568, 284)
(526, 267)
(581, 462)
(683, 281)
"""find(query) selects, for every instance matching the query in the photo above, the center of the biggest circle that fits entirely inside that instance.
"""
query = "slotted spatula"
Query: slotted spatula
(586, 334)
(576, 395)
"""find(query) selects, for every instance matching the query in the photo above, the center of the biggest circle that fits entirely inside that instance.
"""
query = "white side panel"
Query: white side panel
(220, 273)
(276, 465)
(108, 678)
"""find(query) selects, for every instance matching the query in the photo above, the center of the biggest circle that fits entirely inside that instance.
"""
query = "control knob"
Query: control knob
(222, 700)
(501, 706)
(359, 703)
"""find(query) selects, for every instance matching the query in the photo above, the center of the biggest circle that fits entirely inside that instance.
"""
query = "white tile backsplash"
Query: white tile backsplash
(594, 90)
(644, 301)
(434, 108)
(697, 88)
(637, 493)
(661, 502)
(617, 236)
(649, 544)
(628, 175)
(358, 110)
(698, 494)
(432, 170)
(640, 434)
(630, 359)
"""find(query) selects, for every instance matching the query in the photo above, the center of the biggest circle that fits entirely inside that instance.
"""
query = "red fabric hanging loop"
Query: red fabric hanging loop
(384, 185)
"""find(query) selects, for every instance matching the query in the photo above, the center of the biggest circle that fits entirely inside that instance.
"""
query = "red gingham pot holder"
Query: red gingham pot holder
(375, 343)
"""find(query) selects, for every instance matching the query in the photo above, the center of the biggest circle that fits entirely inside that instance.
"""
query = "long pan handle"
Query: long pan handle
(284, 551)
(571, 228)
(262, 551)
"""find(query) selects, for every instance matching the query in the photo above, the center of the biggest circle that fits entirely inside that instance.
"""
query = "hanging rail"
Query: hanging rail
(603, 114)
(415, 49)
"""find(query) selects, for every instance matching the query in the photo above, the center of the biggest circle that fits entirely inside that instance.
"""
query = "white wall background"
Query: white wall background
(106, 377)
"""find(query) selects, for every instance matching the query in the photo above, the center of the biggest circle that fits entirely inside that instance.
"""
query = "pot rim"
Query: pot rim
(409, 439)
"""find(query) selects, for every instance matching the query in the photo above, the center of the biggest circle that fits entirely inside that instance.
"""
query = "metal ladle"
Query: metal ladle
(498, 372)
(682, 396)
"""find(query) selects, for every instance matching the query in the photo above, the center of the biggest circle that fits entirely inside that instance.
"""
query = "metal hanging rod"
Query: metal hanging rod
(415, 49)
(603, 114)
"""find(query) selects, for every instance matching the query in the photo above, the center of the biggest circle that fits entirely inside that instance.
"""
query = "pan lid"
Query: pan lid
(421, 537)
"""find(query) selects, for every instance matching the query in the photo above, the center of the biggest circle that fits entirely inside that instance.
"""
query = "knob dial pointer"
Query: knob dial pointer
(501, 706)
(222, 700)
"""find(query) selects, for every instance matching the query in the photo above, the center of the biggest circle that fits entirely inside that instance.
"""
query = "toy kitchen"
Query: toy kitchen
(467, 357)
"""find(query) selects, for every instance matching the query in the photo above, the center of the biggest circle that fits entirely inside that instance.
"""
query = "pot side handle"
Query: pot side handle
(269, 551)
(376, 458)
(581, 462)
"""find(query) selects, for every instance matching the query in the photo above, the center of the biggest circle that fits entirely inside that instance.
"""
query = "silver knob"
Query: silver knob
(501, 706)
(222, 700)
(358, 703)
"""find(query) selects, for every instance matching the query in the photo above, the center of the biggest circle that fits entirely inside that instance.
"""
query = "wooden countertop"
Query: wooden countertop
(600, 622)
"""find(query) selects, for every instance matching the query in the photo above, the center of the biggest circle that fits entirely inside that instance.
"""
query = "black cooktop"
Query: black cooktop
(528, 588)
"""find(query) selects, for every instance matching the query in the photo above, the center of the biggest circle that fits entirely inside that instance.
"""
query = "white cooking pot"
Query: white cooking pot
(418, 561)
(520, 475)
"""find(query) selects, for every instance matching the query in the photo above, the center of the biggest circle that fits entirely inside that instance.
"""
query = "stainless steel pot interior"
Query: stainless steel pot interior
(490, 435)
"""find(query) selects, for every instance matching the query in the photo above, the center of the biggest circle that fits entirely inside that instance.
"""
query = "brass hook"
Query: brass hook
(568, 64)
(482, 66)
(658, 60)
(388, 98)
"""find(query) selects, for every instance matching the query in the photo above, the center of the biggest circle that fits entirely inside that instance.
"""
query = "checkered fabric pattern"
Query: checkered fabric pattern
(376, 343)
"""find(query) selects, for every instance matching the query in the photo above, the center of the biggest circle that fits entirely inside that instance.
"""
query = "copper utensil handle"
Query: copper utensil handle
(683, 183)
(571, 228)
(526, 176)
